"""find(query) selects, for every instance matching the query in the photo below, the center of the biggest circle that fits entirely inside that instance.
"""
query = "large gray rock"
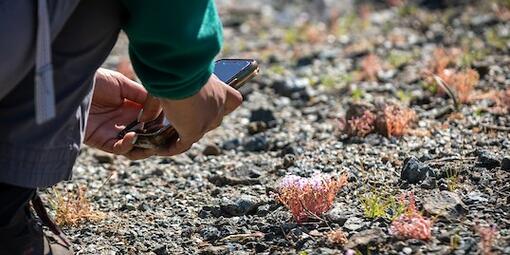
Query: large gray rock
(365, 238)
(256, 143)
(446, 204)
(354, 223)
(505, 163)
(211, 150)
(243, 205)
(103, 157)
(339, 214)
(487, 160)
(415, 171)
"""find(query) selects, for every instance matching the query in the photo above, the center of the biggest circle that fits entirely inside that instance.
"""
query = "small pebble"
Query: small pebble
(212, 150)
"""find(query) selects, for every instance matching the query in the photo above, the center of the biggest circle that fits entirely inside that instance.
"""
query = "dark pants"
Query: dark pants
(33, 155)
(16, 230)
(13, 200)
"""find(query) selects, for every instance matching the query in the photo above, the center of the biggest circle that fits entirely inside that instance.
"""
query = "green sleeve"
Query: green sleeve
(172, 44)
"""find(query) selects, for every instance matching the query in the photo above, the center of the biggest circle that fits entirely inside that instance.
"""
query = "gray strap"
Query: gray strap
(44, 90)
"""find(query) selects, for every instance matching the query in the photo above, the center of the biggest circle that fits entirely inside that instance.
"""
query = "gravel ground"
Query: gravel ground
(199, 202)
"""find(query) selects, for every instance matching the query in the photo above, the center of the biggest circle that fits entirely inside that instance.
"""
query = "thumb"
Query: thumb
(233, 100)
(151, 109)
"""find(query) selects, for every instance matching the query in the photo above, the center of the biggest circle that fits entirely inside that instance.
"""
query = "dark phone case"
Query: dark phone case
(244, 75)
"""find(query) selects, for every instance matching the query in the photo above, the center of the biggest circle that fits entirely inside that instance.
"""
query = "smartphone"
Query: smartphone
(236, 72)
(159, 133)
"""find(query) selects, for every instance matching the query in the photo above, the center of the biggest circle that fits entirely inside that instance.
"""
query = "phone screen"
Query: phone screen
(227, 69)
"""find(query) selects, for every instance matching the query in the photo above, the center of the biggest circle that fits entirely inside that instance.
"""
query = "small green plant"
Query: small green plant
(447, 15)
(348, 78)
(452, 179)
(494, 40)
(399, 58)
(378, 204)
(406, 10)
(387, 26)
(374, 205)
(395, 208)
(241, 46)
(226, 50)
(505, 3)
(455, 241)
(277, 69)
(404, 96)
(429, 86)
(346, 24)
(473, 51)
(291, 36)
(357, 94)
(328, 81)
(479, 111)
(469, 57)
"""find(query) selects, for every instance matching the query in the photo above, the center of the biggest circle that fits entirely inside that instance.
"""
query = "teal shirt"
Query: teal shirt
(172, 44)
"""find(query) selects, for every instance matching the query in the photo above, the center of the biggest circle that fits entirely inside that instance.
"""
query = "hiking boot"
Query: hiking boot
(55, 242)
(56, 245)
(21, 234)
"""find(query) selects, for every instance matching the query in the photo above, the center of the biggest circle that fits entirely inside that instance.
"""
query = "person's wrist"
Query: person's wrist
(181, 90)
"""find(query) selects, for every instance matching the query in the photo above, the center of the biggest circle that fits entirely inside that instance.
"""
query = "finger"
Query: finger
(177, 148)
(138, 153)
(151, 109)
(125, 144)
(233, 100)
(216, 124)
(131, 90)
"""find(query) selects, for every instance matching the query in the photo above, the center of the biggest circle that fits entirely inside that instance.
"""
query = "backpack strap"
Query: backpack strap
(44, 84)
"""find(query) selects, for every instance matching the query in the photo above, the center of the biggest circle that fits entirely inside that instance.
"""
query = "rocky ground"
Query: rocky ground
(218, 197)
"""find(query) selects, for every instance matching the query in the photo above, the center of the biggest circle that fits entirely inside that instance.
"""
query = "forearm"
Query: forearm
(173, 44)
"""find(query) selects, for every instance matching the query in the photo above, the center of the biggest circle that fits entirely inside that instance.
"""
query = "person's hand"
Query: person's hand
(194, 116)
(116, 102)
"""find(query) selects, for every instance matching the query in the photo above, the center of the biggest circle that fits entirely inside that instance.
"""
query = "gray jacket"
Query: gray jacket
(81, 35)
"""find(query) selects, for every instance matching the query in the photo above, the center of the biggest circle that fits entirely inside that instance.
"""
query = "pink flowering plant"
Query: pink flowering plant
(363, 125)
(411, 224)
(389, 120)
(306, 197)
(488, 236)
